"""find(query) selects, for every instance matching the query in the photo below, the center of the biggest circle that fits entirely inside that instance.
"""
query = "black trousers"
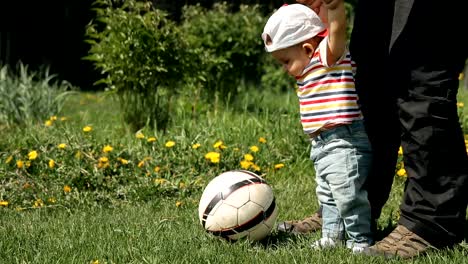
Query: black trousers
(419, 113)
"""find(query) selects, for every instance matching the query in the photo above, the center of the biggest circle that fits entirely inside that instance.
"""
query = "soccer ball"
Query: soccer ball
(238, 204)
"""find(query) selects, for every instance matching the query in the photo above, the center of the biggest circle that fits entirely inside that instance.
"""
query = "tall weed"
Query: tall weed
(28, 97)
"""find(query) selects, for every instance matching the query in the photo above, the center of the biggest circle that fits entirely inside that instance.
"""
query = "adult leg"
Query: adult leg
(435, 198)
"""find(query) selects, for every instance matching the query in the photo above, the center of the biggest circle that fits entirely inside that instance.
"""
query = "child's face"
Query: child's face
(294, 59)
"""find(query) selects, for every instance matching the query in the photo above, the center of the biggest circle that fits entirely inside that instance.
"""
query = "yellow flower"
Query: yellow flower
(279, 166)
(245, 164)
(51, 200)
(248, 157)
(160, 181)
(63, 118)
(181, 185)
(461, 76)
(460, 104)
(78, 155)
(53, 118)
(213, 157)
(178, 204)
(38, 203)
(255, 167)
(4, 203)
(9, 159)
(51, 163)
(141, 164)
(139, 135)
(195, 146)
(235, 149)
(62, 146)
(19, 164)
(28, 164)
(254, 149)
(48, 123)
(103, 159)
(262, 140)
(157, 169)
(66, 189)
(151, 139)
(95, 261)
(401, 172)
(107, 149)
(400, 151)
(170, 144)
(32, 155)
(219, 145)
(123, 161)
(87, 129)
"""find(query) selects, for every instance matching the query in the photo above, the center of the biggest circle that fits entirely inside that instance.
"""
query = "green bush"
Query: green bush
(29, 97)
(144, 57)
(231, 45)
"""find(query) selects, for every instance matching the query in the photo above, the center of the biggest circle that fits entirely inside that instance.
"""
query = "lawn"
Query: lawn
(139, 204)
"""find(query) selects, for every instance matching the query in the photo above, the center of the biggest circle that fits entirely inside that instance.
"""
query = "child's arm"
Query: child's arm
(336, 30)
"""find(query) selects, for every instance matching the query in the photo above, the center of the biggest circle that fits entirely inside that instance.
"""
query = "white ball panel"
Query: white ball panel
(247, 212)
(261, 194)
(225, 217)
(239, 197)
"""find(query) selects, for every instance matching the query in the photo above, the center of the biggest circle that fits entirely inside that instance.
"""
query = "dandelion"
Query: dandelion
(195, 146)
(401, 172)
(400, 151)
(48, 123)
(157, 169)
(262, 140)
(460, 104)
(279, 166)
(141, 163)
(181, 185)
(103, 159)
(19, 164)
(139, 135)
(213, 157)
(245, 164)
(32, 155)
(103, 162)
(62, 146)
(151, 139)
(9, 159)
(51, 200)
(95, 261)
(254, 149)
(53, 118)
(255, 167)
(66, 189)
(63, 119)
(4, 203)
(170, 144)
(51, 163)
(38, 203)
(178, 204)
(160, 181)
(123, 161)
(248, 157)
(461, 76)
(219, 145)
(107, 149)
(87, 129)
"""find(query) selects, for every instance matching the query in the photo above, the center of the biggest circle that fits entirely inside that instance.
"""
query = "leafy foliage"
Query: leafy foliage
(29, 97)
(144, 57)
(231, 44)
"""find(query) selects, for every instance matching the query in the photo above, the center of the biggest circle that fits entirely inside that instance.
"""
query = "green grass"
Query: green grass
(128, 219)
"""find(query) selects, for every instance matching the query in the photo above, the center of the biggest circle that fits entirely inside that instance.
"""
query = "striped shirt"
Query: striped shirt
(327, 95)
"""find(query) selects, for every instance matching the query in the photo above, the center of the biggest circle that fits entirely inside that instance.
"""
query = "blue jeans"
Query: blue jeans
(342, 158)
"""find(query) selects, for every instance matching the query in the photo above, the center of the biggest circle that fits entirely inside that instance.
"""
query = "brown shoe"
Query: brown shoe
(308, 225)
(401, 242)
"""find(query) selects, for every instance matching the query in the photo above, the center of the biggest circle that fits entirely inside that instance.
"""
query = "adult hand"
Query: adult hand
(313, 4)
(331, 4)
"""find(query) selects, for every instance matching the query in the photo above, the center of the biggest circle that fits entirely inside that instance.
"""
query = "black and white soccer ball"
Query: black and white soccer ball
(238, 204)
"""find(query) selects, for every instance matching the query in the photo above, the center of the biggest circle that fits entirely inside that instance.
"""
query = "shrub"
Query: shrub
(143, 56)
(29, 97)
(231, 44)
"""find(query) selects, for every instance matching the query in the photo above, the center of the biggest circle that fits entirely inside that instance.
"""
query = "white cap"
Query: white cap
(291, 25)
